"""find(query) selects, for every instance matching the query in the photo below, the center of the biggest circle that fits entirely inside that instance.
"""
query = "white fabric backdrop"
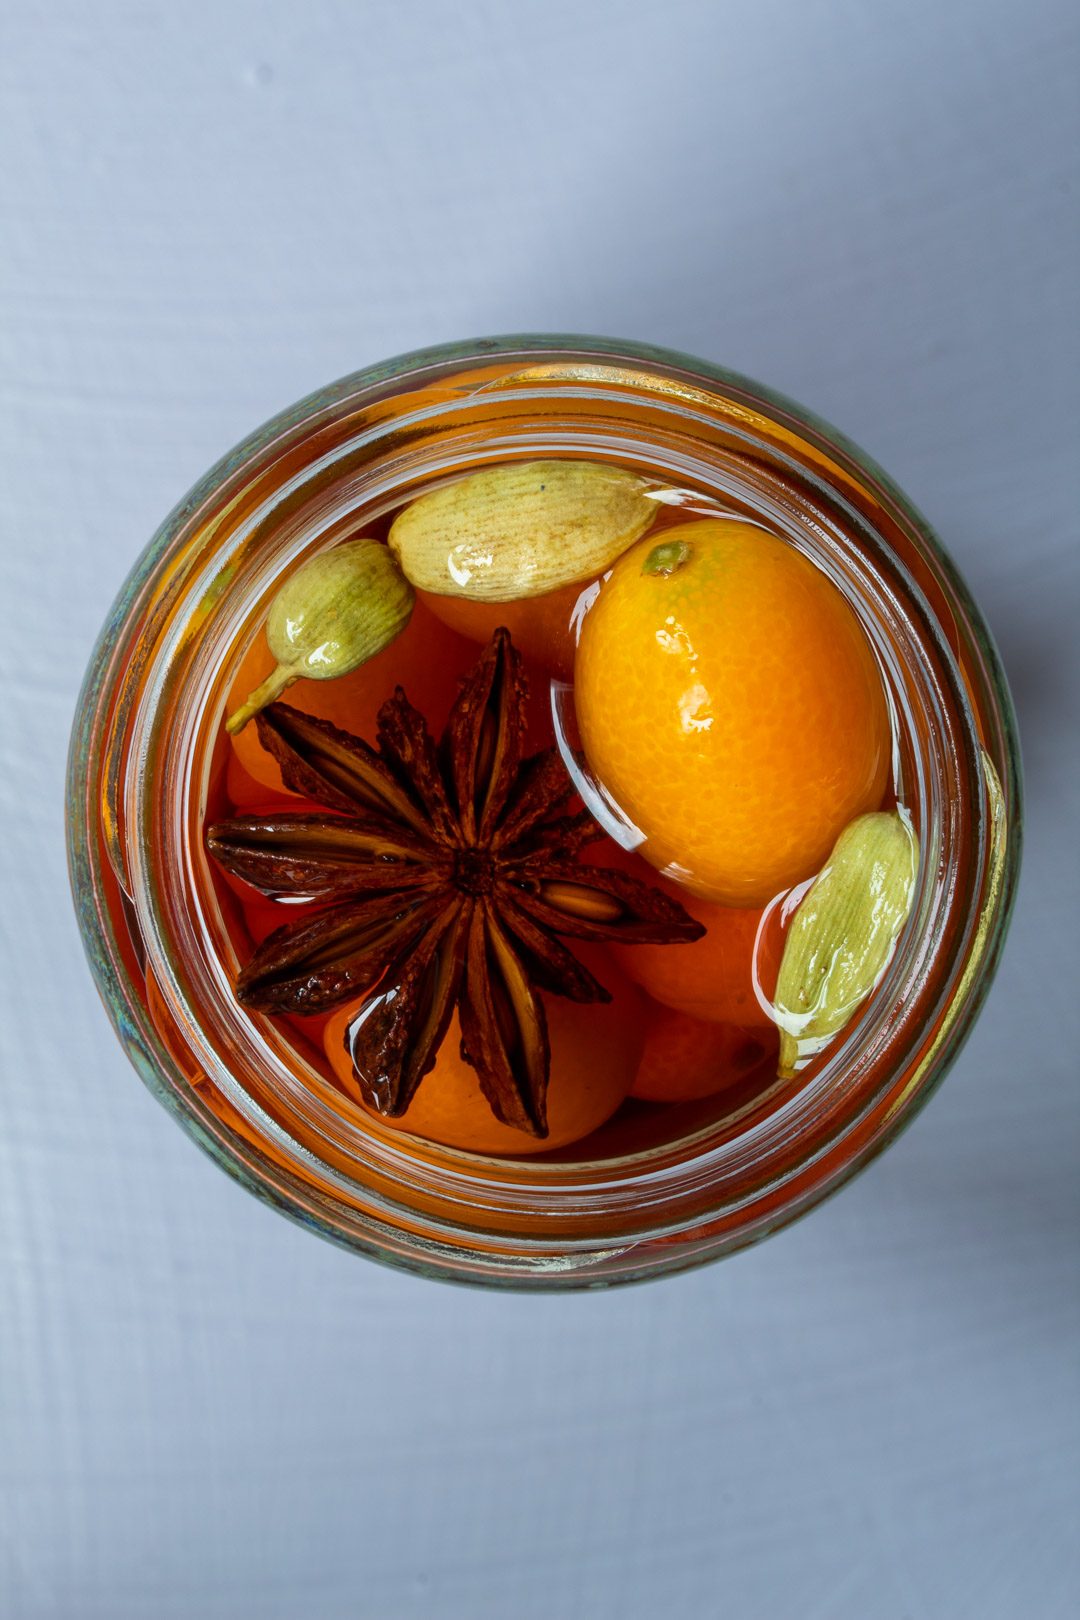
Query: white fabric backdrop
(207, 210)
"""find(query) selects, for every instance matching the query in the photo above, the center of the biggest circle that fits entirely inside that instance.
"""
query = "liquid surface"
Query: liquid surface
(719, 712)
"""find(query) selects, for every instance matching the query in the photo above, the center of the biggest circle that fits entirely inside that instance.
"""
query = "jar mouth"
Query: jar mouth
(295, 485)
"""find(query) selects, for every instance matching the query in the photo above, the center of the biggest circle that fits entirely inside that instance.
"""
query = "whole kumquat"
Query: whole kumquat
(729, 702)
(540, 625)
(728, 976)
(684, 1058)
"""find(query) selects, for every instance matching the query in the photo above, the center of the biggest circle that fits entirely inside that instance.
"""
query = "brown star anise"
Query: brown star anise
(442, 876)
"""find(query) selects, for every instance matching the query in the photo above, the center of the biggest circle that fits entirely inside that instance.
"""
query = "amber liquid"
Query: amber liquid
(676, 1071)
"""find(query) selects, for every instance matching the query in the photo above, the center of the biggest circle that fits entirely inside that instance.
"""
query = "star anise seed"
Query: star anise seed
(438, 878)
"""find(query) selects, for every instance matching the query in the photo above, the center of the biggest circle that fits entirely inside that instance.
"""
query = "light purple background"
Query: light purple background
(209, 209)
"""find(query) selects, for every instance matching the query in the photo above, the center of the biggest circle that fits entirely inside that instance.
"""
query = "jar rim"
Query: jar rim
(98, 703)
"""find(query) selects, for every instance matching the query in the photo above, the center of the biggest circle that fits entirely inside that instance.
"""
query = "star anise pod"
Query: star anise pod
(440, 878)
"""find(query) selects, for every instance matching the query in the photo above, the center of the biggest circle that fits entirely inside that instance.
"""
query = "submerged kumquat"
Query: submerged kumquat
(727, 976)
(594, 1056)
(540, 625)
(684, 1058)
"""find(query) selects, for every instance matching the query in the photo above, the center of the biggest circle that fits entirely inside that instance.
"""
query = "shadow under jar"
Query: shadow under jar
(633, 1201)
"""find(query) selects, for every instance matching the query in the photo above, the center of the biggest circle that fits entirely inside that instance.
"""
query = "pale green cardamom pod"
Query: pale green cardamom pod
(338, 610)
(521, 530)
(844, 932)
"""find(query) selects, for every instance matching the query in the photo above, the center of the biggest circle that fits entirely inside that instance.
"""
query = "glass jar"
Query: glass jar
(140, 772)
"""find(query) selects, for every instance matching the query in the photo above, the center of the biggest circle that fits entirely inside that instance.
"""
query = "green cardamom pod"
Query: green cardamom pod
(521, 530)
(843, 934)
(338, 610)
